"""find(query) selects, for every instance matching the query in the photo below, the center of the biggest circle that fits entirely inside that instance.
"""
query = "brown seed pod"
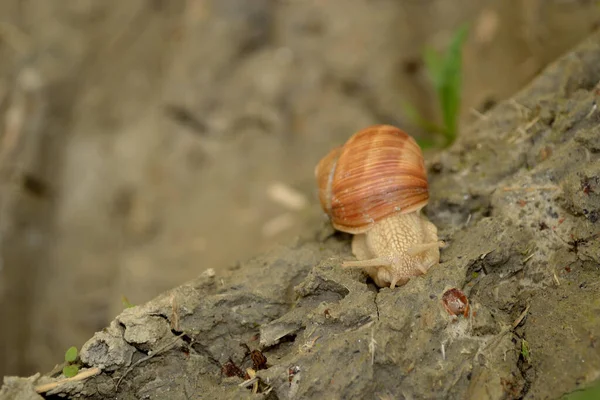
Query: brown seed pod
(259, 360)
(378, 172)
(456, 302)
(374, 187)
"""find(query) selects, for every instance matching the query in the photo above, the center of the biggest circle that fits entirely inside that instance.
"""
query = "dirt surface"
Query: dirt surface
(142, 141)
(517, 201)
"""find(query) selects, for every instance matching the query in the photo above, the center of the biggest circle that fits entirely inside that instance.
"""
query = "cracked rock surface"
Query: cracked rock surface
(517, 201)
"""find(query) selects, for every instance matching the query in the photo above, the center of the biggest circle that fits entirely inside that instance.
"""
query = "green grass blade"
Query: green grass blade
(434, 64)
(449, 90)
(417, 119)
(445, 73)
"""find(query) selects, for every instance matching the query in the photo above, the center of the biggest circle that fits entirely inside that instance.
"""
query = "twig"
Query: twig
(523, 109)
(79, 377)
(249, 382)
(505, 330)
(556, 278)
(174, 314)
(531, 123)
(518, 320)
(141, 360)
(252, 374)
(528, 257)
(594, 108)
(484, 255)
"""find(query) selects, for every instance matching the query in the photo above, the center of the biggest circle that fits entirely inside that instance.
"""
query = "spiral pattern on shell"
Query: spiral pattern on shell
(379, 171)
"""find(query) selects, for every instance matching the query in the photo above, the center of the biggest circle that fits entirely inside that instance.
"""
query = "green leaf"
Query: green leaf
(426, 143)
(70, 370)
(446, 75)
(417, 119)
(434, 64)
(449, 90)
(590, 393)
(71, 354)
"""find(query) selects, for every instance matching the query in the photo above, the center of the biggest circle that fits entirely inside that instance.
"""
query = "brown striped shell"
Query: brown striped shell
(378, 172)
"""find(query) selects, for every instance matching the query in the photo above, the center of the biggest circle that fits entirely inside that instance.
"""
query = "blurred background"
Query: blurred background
(143, 142)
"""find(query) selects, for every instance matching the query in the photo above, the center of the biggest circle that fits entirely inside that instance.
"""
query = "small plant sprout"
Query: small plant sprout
(445, 72)
(126, 302)
(71, 369)
(525, 351)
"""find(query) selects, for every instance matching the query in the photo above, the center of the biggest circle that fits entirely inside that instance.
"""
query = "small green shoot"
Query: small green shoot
(126, 302)
(71, 354)
(445, 72)
(591, 392)
(525, 351)
(71, 369)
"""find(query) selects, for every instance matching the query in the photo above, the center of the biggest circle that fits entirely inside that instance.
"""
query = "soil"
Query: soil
(141, 144)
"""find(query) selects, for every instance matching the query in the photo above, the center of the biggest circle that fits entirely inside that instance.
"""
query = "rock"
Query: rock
(19, 388)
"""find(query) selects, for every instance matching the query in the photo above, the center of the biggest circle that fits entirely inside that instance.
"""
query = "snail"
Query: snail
(374, 187)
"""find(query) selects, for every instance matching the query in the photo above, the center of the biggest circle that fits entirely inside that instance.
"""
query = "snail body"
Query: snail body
(374, 187)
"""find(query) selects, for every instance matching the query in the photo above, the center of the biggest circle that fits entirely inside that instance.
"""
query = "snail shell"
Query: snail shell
(378, 172)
